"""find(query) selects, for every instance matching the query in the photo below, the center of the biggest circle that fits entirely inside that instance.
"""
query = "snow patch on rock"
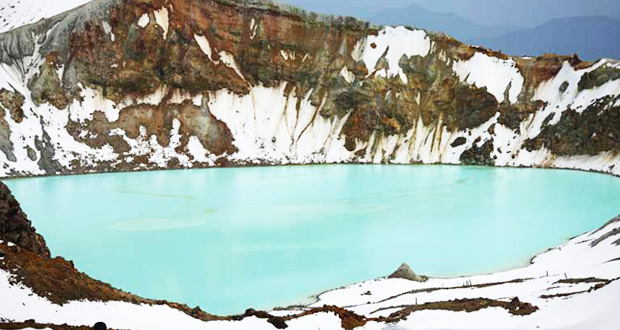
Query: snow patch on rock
(394, 43)
(108, 30)
(204, 45)
(161, 18)
(492, 73)
(144, 20)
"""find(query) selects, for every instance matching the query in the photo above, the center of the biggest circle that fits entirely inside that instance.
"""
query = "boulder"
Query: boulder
(100, 326)
(405, 272)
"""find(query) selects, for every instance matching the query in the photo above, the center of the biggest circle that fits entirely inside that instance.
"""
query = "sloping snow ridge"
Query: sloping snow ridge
(493, 73)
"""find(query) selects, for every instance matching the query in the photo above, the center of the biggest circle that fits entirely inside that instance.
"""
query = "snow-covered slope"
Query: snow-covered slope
(16, 13)
(561, 282)
(574, 286)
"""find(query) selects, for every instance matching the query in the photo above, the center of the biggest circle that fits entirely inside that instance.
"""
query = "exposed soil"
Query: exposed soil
(351, 320)
(514, 307)
(600, 283)
(582, 280)
(34, 325)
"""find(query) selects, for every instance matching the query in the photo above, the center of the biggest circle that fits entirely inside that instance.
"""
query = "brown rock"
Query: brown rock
(278, 322)
(405, 272)
(459, 141)
(100, 326)
(15, 226)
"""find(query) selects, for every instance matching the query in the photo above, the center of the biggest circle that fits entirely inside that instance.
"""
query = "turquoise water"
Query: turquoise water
(230, 239)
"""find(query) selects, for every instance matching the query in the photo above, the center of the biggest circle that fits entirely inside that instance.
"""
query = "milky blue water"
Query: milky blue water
(230, 239)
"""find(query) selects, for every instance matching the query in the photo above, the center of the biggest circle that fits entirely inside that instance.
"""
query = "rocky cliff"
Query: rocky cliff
(15, 226)
(146, 84)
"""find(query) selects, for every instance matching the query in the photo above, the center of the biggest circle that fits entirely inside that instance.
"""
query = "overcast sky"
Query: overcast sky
(521, 13)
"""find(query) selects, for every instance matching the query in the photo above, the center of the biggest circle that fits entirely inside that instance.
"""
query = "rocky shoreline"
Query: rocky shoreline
(172, 84)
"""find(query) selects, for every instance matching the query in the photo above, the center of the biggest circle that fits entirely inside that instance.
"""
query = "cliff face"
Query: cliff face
(147, 84)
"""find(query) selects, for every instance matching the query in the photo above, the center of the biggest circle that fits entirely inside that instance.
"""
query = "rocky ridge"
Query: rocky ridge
(150, 84)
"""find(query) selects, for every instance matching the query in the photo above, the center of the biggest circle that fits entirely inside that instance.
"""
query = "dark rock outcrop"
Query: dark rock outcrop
(458, 142)
(15, 226)
(598, 77)
(590, 132)
(100, 326)
(479, 155)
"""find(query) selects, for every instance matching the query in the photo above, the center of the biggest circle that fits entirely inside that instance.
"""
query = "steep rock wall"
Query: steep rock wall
(147, 84)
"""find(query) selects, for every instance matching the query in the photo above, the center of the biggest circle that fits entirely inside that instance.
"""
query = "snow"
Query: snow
(225, 57)
(204, 45)
(199, 153)
(16, 13)
(229, 61)
(602, 161)
(266, 125)
(46, 118)
(162, 155)
(284, 134)
(288, 55)
(397, 42)
(574, 259)
(108, 30)
(586, 97)
(495, 74)
(24, 305)
(93, 101)
(557, 102)
(348, 76)
(161, 18)
(253, 28)
(144, 20)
